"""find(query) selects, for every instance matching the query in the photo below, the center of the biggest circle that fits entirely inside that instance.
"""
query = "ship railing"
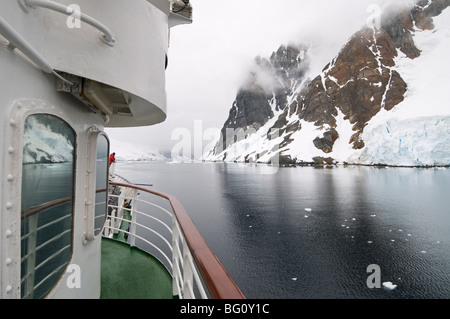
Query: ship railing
(160, 225)
(52, 264)
(70, 11)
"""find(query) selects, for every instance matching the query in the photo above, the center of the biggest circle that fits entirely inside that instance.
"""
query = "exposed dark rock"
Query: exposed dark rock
(327, 141)
(269, 84)
(319, 160)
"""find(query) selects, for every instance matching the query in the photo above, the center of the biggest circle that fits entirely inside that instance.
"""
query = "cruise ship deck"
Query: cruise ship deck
(130, 273)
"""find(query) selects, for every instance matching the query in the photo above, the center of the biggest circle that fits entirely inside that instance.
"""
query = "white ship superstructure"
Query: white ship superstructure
(70, 68)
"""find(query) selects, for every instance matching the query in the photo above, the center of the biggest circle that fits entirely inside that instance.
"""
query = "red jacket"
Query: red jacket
(112, 159)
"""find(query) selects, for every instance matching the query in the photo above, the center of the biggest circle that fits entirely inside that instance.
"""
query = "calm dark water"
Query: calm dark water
(312, 232)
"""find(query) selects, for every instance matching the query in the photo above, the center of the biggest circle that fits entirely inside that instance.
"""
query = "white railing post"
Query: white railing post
(188, 274)
(133, 218)
(31, 257)
(175, 258)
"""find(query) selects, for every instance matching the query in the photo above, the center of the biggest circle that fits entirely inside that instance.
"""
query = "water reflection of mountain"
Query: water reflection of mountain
(257, 226)
(41, 157)
(358, 217)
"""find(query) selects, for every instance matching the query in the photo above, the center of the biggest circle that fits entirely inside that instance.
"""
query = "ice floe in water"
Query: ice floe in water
(389, 285)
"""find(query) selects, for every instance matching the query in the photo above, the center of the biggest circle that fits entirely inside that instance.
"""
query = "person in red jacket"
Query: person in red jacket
(112, 158)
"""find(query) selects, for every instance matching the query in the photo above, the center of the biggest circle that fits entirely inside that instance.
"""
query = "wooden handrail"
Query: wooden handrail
(39, 208)
(219, 283)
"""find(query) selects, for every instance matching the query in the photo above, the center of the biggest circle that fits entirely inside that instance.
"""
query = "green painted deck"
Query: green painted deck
(130, 273)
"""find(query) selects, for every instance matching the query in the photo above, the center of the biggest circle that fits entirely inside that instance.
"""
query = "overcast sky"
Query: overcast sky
(209, 59)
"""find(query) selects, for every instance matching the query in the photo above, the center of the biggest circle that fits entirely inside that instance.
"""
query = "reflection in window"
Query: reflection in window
(47, 203)
(101, 197)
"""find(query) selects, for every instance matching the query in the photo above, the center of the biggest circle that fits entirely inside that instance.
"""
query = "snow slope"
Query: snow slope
(128, 152)
(417, 131)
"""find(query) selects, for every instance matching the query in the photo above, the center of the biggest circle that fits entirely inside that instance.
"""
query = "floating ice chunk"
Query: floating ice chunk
(389, 285)
(308, 209)
(369, 241)
(294, 279)
(353, 218)
(306, 216)
(423, 252)
(373, 215)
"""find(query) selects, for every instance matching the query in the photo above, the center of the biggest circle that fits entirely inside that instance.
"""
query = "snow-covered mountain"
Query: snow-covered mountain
(383, 99)
(126, 151)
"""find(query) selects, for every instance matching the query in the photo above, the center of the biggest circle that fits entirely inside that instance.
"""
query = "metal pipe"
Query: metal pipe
(51, 5)
(16, 41)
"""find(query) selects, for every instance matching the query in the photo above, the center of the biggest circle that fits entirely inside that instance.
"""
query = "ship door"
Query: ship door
(47, 203)
(97, 183)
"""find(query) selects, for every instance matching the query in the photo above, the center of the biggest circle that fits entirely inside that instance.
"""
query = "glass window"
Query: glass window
(101, 196)
(47, 203)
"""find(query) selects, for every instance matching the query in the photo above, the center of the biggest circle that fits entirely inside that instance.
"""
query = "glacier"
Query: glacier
(417, 131)
(411, 142)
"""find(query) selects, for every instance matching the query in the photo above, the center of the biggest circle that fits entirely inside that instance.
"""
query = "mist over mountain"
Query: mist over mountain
(381, 100)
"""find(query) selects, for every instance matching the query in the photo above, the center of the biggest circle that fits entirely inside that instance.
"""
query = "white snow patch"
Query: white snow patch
(128, 152)
(389, 285)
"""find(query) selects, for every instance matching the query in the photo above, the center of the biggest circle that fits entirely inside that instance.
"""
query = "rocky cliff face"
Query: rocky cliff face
(312, 115)
(266, 91)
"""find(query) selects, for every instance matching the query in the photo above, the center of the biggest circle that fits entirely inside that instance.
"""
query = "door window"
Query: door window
(47, 203)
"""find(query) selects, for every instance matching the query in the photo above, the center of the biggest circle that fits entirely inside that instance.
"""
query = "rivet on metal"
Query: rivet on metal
(12, 122)
(10, 150)
(8, 261)
(8, 289)
(9, 205)
(8, 233)
(10, 178)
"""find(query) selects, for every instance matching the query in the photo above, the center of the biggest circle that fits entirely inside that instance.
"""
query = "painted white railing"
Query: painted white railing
(68, 10)
(156, 229)
(50, 256)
